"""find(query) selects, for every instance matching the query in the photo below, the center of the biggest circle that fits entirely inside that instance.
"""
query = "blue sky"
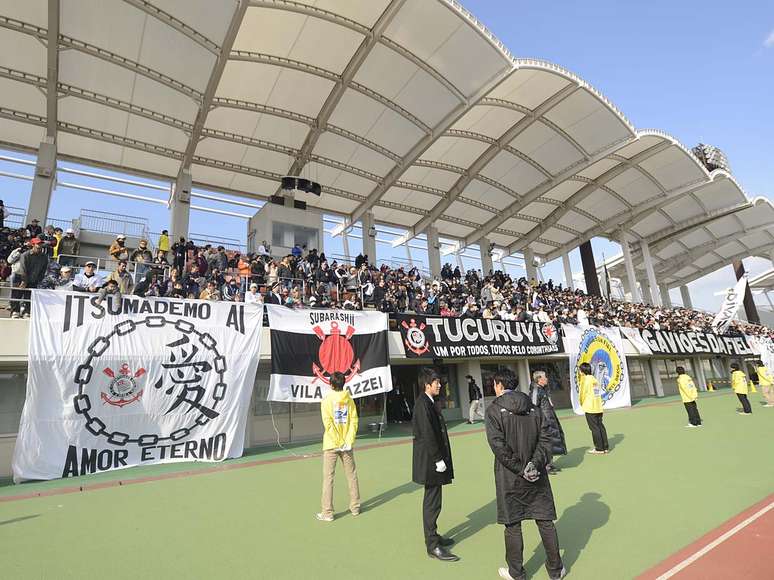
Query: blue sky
(701, 71)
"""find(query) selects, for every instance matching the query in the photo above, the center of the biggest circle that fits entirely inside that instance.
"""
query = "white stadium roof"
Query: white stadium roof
(410, 109)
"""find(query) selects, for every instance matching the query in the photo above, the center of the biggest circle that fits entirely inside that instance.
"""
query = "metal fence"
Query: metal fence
(110, 223)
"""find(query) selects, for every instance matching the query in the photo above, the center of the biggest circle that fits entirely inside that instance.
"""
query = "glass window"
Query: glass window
(12, 393)
(638, 380)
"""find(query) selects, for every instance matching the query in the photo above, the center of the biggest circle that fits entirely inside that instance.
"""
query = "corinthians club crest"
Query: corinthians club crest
(122, 389)
(415, 340)
(336, 354)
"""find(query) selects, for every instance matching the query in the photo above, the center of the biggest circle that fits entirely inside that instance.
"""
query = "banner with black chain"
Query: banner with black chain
(441, 337)
(129, 381)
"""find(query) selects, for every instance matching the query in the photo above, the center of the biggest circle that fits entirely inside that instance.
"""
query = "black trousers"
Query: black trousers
(20, 299)
(598, 432)
(745, 403)
(514, 549)
(431, 509)
(693, 413)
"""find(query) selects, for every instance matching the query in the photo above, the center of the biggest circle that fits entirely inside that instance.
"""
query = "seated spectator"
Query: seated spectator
(210, 292)
(58, 278)
(118, 250)
(253, 296)
(110, 289)
(88, 280)
(160, 261)
(149, 286)
(122, 278)
(193, 282)
(68, 248)
(231, 290)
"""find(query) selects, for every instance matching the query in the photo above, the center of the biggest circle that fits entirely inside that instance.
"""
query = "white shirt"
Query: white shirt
(251, 298)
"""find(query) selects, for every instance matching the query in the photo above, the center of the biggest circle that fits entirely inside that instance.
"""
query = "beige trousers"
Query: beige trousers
(330, 457)
(768, 394)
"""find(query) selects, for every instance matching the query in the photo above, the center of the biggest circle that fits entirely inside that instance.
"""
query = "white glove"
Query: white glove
(346, 447)
(440, 466)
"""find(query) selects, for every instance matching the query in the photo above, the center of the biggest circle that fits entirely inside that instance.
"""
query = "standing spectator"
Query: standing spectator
(88, 280)
(58, 235)
(163, 243)
(253, 296)
(243, 267)
(274, 297)
(517, 435)
(180, 250)
(432, 462)
(33, 266)
(34, 229)
(739, 384)
(688, 394)
(339, 417)
(142, 257)
(48, 241)
(69, 247)
(118, 250)
(538, 392)
(201, 262)
(222, 259)
(474, 394)
(4, 213)
(122, 278)
(591, 402)
(296, 251)
(766, 382)
(285, 272)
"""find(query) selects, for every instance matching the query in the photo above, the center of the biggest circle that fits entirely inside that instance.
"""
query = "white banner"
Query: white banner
(308, 346)
(603, 349)
(134, 382)
(763, 346)
(729, 308)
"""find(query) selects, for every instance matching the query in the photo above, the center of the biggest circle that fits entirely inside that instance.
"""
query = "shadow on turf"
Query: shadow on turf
(15, 520)
(615, 440)
(575, 528)
(477, 521)
(387, 496)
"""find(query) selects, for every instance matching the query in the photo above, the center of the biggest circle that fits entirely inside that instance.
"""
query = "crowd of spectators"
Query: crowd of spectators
(36, 257)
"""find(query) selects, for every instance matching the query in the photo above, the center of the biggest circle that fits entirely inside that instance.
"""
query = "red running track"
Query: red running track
(743, 547)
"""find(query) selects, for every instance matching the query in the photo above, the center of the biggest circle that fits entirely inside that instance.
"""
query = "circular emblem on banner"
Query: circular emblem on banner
(605, 360)
(415, 340)
(336, 353)
(189, 383)
(550, 333)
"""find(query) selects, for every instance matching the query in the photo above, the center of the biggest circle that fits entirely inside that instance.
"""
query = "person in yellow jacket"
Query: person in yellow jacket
(163, 245)
(590, 396)
(739, 384)
(339, 417)
(688, 394)
(766, 382)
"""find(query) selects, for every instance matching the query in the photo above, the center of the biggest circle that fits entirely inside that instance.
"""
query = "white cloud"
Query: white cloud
(769, 42)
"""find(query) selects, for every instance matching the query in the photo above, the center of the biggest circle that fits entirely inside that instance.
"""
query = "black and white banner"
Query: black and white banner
(442, 337)
(308, 346)
(648, 341)
(731, 304)
(134, 381)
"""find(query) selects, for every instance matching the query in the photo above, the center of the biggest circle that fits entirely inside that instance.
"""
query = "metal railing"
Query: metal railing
(110, 223)
(109, 265)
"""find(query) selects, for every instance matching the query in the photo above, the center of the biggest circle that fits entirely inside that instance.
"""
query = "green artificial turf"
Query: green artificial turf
(662, 487)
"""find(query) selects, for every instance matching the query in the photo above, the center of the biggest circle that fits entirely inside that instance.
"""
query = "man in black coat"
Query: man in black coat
(273, 296)
(432, 462)
(540, 397)
(521, 445)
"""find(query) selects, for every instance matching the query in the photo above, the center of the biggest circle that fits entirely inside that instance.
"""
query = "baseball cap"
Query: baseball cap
(120, 237)
(90, 263)
(35, 241)
(70, 231)
(65, 269)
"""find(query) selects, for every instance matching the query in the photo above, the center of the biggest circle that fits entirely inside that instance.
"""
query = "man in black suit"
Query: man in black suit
(273, 296)
(432, 463)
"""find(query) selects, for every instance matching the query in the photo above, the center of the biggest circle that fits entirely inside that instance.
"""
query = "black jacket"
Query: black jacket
(474, 391)
(431, 444)
(272, 298)
(517, 435)
(541, 400)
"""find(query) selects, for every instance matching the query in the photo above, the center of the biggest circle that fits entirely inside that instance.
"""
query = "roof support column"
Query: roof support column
(369, 236)
(486, 256)
(749, 304)
(631, 278)
(567, 271)
(685, 294)
(651, 274)
(665, 299)
(771, 258)
(589, 269)
(43, 182)
(647, 297)
(180, 206)
(529, 264)
(698, 372)
(433, 251)
(345, 247)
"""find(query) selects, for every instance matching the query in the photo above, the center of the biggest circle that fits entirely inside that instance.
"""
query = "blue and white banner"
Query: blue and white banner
(603, 349)
(134, 381)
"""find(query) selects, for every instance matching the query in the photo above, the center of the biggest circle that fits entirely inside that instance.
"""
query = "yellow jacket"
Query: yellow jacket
(687, 389)
(163, 244)
(739, 382)
(56, 247)
(764, 377)
(339, 417)
(590, 395)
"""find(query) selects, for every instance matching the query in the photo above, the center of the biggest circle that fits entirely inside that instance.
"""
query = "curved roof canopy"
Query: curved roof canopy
(409, 109)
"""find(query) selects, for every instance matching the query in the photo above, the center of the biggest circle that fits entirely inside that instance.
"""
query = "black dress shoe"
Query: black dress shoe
(443, 555)
(446, 542)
